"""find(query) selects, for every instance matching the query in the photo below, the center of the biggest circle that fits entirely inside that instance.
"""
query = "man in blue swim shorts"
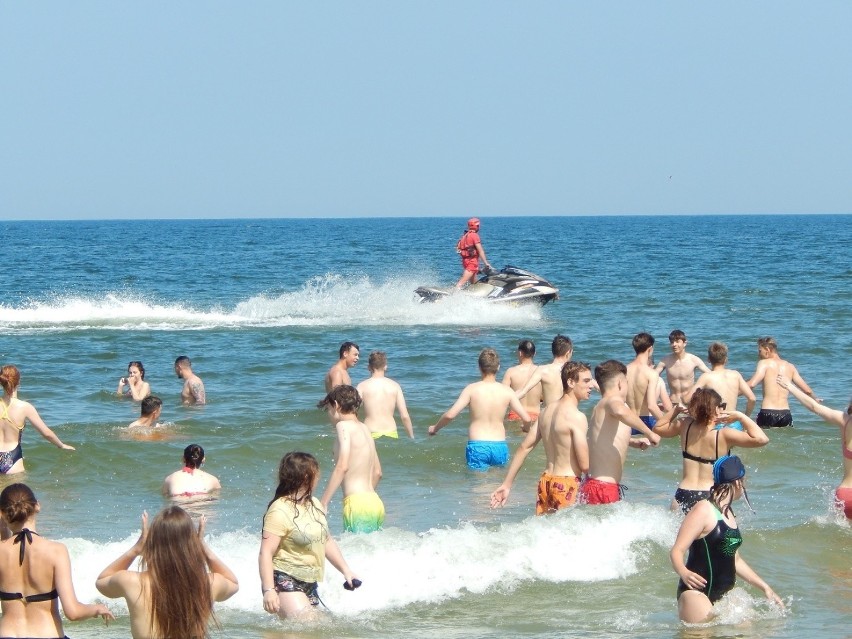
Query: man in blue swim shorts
(488, 401)
(642, 382)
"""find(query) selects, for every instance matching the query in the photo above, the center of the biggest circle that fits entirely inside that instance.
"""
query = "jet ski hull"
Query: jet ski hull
(510, 285)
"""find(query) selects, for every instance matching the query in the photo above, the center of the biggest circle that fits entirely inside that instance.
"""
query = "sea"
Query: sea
(261, 307)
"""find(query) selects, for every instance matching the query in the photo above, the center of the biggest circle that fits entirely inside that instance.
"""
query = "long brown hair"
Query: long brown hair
(181, 597)
(703, 405)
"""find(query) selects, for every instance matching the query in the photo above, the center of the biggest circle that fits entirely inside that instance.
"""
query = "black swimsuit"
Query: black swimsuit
(24, 537)
(714, 558)
(696, 458)
(683, 496)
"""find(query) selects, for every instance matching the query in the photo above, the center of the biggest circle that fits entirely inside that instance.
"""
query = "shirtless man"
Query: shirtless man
(563, 428)
(152, 406)
(774, 407)
(381, 396)
(642, 380)
(609, 435)
(517, 376)
(339, 373)
(488, 400)
(680, 366)
(192, 392)
(550, 375)
(725, 381)
(356, 463)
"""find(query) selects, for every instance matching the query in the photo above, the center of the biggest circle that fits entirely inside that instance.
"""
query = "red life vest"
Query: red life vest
(467, 245)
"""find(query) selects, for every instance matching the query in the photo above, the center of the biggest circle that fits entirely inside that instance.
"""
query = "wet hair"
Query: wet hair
(607, 371)
(378, 360)
(150, 405)
(561, 345)
(526, 348)
(489, 361)
(676, 335)
(642, 342)
(181, 597)
(768, 342)
(571, 372)
(717, 353)
(703, 405)
(183, 361)
(17, 503)
(10, 378)
(138, 365)
(297, 473)
(345, 347)
(346, 398)
(193, 455)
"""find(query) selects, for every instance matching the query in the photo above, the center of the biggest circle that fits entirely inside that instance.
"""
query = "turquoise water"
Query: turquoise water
(261, 308)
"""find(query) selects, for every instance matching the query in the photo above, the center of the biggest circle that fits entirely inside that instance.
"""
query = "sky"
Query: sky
(223, 109)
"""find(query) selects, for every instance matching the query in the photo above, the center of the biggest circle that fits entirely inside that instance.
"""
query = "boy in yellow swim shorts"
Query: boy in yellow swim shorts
(356, 466)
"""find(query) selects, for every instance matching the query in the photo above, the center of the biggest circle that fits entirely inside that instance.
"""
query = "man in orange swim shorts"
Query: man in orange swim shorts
(517, 376)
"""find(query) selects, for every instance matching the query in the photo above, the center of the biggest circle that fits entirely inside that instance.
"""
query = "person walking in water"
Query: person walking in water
(471, 251)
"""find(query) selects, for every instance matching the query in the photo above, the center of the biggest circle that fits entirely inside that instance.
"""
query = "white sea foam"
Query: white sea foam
(330, 300)
(400, 568)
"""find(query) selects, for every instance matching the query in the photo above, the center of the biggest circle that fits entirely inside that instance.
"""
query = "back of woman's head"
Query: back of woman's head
(10, 378)
(297, 473)
(703, 405)
(173, 555)
(193, 455)
(17, 503)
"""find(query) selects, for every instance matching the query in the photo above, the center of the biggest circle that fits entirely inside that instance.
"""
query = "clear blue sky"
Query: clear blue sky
(276, 109)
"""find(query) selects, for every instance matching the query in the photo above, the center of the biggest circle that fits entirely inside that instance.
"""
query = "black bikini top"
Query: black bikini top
(24, 537)
(696, 458)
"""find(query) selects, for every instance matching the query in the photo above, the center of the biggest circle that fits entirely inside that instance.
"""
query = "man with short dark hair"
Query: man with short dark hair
(192, 392)
(339, 373)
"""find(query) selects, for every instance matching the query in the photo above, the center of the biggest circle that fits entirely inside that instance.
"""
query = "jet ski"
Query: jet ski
(506, 286)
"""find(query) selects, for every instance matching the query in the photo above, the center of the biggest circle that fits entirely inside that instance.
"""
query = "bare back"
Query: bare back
(10, 429)
(379, 396)
(186, 484)
(362, 457)
(551, 382)
(337, 375)
(517, 377)
(37, 575)
(728, 383)
(608, 441)
(774, 396)
(489, 401)
(640, 377)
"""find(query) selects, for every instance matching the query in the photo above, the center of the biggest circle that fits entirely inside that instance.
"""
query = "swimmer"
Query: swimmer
(13, 414)
(774, 407)
(192, 393)
(516, 378)
(563, 428)
(339, 373)
(549, 376)
(703, 441)
(151, 407)
(609, 436)
(356, 463)
(488, 401)
(381, 396)
(843, 494)
(134, 383)
(296, 542)
(642, 380)
(680, 366)
(190, 480)
(727, 382)
(711, 536)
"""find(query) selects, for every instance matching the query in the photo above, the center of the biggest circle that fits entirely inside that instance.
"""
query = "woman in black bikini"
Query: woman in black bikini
(711, 536)
(35, 574)
(703, 439)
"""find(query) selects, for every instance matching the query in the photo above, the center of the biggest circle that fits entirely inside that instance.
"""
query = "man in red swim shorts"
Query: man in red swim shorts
(471, 251)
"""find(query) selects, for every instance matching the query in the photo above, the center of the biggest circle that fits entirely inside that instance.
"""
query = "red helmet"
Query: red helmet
(473, 224)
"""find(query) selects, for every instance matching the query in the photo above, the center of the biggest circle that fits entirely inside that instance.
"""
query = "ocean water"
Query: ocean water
(261, 307)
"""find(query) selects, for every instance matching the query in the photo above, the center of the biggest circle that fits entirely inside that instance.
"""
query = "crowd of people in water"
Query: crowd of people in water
(178, 579)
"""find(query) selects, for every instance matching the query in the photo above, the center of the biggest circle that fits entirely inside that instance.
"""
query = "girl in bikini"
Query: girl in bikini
(134, 384)
(843, 495)
(35, 574)
(13, 414)
(703, 439)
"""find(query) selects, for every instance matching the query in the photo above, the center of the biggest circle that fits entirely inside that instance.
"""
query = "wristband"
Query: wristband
(265, 590)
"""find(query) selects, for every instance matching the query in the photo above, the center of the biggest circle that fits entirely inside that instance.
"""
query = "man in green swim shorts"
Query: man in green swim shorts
(356, 464)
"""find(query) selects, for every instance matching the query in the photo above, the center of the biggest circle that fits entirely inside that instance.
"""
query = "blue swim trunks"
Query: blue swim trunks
(650, 422)
(482, 455)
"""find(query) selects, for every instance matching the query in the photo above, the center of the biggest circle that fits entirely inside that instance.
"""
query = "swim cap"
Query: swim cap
(473, 223)
(727, 469)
